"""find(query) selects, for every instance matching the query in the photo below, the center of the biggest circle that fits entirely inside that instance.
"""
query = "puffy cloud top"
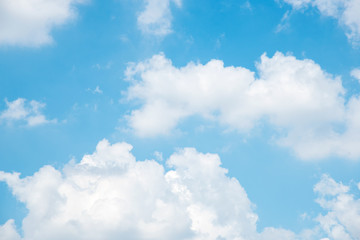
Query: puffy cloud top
(110, 195)
(299, 99)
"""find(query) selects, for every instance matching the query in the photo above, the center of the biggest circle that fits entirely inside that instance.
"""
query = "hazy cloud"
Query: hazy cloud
(355, 73)
(156, 18)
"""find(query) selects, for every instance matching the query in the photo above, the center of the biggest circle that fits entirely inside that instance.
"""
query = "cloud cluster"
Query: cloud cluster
(23, 111)
(30, 22)
(342, 220)
(110, 195)
(303, 103)
(345, 11)
(156, 17)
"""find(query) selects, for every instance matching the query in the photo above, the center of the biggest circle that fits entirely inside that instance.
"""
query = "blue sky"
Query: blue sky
(271, 87)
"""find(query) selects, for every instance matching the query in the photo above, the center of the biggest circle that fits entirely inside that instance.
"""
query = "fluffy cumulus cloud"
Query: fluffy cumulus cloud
(303, 103)
(342, 220)
(23, 111)
(345, 11)
(29, 22)
(156, 18)
(110, 195)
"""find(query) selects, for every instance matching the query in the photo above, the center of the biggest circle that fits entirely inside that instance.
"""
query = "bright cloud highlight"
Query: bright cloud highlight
(345, 11)
(300, 100)
(30, 22)
(23, 111)
(156, 17)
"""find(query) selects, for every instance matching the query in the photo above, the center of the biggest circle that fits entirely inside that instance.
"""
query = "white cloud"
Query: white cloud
(30, 22)
(345, 11)
(110, 195)
(300, 100)
(156, 17)
(107, 66)
(284, 23)
(355, 73)
(158, 156)
(8, 231)
(20, 110)
(298, 3)
(342, 220)
(97, 90)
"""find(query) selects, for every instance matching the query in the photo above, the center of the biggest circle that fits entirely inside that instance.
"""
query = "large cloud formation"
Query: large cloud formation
(30, 22)
(345, 11)
(156, 18)
(301, 101)
(110, 195)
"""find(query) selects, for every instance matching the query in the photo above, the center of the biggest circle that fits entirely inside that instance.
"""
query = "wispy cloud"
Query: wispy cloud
(107, 66)
(22, 111)
(345, 11)
(156, 18)
(355, 73)
(284, 23)
(96, 90)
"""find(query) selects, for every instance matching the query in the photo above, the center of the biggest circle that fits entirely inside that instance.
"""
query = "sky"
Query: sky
(179, 119)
